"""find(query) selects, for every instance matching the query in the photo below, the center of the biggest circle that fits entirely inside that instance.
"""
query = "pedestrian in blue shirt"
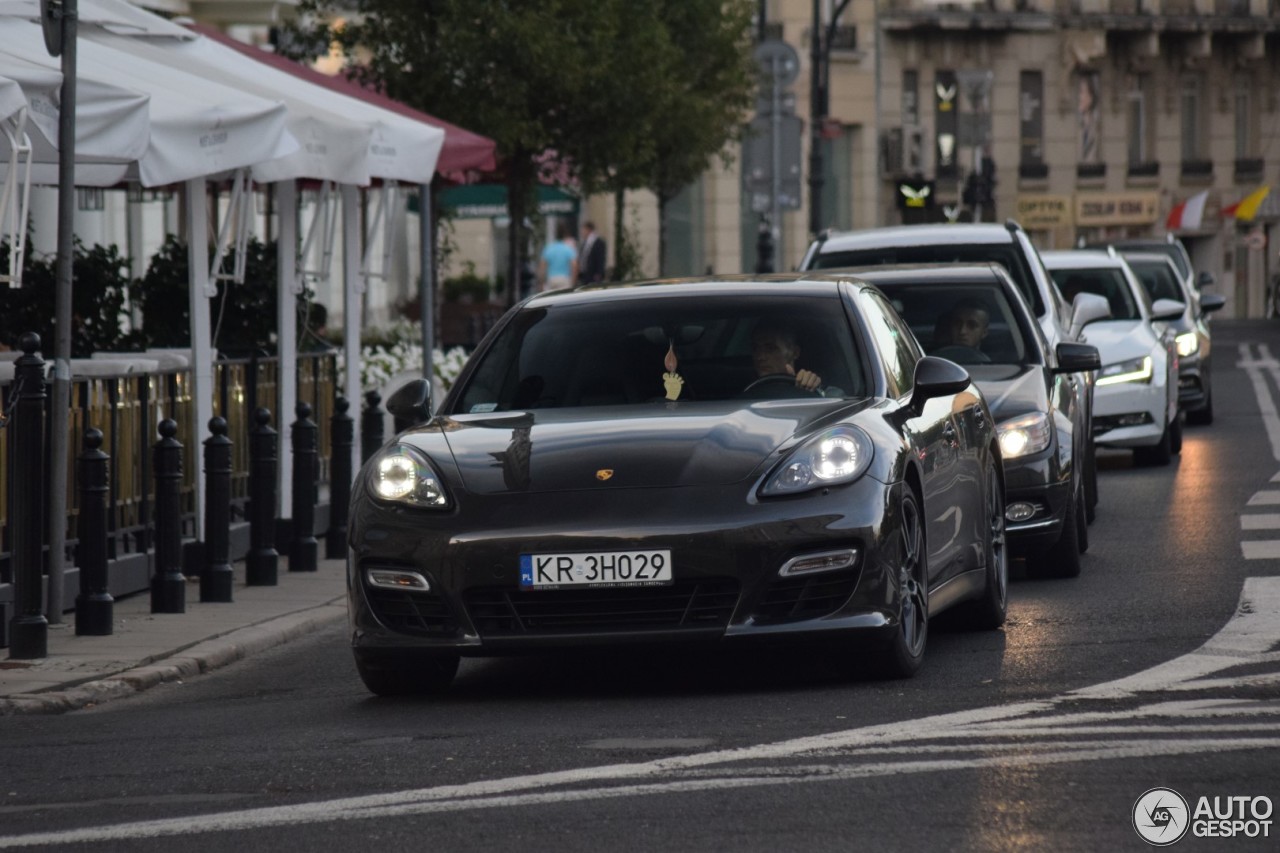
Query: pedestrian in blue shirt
(559, 267)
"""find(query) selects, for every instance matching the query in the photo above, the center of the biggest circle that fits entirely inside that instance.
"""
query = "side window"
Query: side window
(894, 342)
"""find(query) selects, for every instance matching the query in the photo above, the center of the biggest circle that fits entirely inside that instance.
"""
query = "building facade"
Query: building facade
(1082, 119)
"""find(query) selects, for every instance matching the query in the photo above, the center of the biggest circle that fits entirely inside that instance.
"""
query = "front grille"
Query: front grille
(422, 613)
(686, 604)
(1107, 423)
(796, 598)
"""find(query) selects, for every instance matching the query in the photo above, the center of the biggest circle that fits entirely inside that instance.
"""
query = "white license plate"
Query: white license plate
(595, 569)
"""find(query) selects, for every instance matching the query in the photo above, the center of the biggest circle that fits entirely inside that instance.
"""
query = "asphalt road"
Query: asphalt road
(1041, 736)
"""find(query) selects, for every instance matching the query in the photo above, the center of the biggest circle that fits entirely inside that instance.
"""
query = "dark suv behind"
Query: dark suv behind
(974, 243)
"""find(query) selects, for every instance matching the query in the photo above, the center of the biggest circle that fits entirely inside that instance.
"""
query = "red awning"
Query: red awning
(463, 150)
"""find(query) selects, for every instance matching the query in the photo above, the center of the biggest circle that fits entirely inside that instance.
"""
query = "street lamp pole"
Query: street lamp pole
(61, 16)
(820, 74)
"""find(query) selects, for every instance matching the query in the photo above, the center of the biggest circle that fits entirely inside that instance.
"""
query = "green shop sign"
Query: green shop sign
(489, 201)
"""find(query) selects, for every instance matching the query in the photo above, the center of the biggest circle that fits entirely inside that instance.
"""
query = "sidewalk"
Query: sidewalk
(147, 649)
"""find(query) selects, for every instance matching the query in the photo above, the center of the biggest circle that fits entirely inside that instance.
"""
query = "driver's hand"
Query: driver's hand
(808, 380)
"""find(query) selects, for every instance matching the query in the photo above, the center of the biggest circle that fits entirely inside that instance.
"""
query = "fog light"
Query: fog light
(827, 561)
(393, 579)
(1020, 511)
(1135, 419)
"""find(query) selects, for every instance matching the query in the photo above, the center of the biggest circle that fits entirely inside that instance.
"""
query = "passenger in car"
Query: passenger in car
(965, 324)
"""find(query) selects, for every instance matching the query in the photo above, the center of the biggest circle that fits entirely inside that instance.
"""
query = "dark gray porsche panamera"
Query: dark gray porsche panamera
(613, 467)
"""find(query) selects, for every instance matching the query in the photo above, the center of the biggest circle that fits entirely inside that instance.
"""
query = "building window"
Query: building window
(1031, 119)
(1244, 119)
(684, 226)
(1192, 120)
(837, 180)
(1089, 115)
(1136, 131)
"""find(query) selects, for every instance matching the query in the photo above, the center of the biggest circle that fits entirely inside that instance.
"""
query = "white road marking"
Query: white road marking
(1261, 549)
(1254, 368)
(1268, 498)
(1027, 734)
(1260, 521)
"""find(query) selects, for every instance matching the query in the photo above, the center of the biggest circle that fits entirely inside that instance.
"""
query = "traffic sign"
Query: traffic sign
(778, 61)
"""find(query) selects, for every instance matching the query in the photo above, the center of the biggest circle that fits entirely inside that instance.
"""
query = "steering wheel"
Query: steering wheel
(778, 378)
(962, 354)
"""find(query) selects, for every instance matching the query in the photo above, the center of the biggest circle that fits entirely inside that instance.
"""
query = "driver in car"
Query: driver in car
(774, 350)
(964, 325)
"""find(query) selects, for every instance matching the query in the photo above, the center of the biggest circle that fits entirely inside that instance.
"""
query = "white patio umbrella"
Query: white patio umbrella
(344, 140)
(112, 122)
(199, 129)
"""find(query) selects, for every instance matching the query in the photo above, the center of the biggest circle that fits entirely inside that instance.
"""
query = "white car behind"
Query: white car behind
(1136, 394)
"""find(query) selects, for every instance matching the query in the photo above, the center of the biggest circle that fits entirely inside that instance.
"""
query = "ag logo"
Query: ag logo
(1161, 816)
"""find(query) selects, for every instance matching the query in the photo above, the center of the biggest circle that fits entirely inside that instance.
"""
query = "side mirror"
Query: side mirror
(1077, 358)
(411, 403)
(1205, 279)
(937, 377)
(1212, 302)
(1085, 309)
(1167, 310)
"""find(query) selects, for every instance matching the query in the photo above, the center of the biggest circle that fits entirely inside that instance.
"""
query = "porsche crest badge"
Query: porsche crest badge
(604, 474)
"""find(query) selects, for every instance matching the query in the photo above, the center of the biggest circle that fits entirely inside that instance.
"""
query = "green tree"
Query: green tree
(712, 80)
(595, 91)
(243, 315)
(97, 301)
(513, 71)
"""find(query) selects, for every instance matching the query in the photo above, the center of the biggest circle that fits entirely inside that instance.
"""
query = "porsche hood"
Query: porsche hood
(558, 449)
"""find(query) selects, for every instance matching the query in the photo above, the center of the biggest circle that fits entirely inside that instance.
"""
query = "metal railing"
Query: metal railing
(127, 408)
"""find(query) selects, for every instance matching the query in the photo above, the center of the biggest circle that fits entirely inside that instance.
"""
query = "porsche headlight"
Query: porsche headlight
(401, 474)
(1133, 370)
(839, 455)
(1188, 344)
(1024, 435)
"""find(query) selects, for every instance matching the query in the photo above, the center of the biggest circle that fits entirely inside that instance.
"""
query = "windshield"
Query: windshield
(968, 324)
(1158, 279)
(968, 253)
(1107, 282)
(650, 350)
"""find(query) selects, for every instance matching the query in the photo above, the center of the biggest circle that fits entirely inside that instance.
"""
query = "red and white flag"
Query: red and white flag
(1188, 215)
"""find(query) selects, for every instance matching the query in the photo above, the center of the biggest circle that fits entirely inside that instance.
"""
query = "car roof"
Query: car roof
(1079, 259)
(927, 273)
(907, 235)
(1150, 258)
(790, 284)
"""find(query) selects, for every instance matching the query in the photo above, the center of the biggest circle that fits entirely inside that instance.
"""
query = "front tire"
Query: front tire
(1062, 560)
(406, 675)
(989, 612)
(1160, 453)
(904, 653)
(1203, 416)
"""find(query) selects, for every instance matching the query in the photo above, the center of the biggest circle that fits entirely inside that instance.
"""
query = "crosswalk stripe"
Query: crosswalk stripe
(1262, 549)
(1260, 521)
(1265, 499)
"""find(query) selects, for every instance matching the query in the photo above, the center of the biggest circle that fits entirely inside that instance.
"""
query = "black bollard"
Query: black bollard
(341, 429)
(303, 546)
(29, 629)
(216, 579)
(94, 604)
(168, 585)
(371, 426)
(262, 559)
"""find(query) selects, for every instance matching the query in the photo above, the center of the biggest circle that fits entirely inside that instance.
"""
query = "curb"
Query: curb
(201, 657)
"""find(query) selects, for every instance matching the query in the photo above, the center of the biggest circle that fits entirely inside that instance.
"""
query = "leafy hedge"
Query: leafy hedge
(243, 315)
